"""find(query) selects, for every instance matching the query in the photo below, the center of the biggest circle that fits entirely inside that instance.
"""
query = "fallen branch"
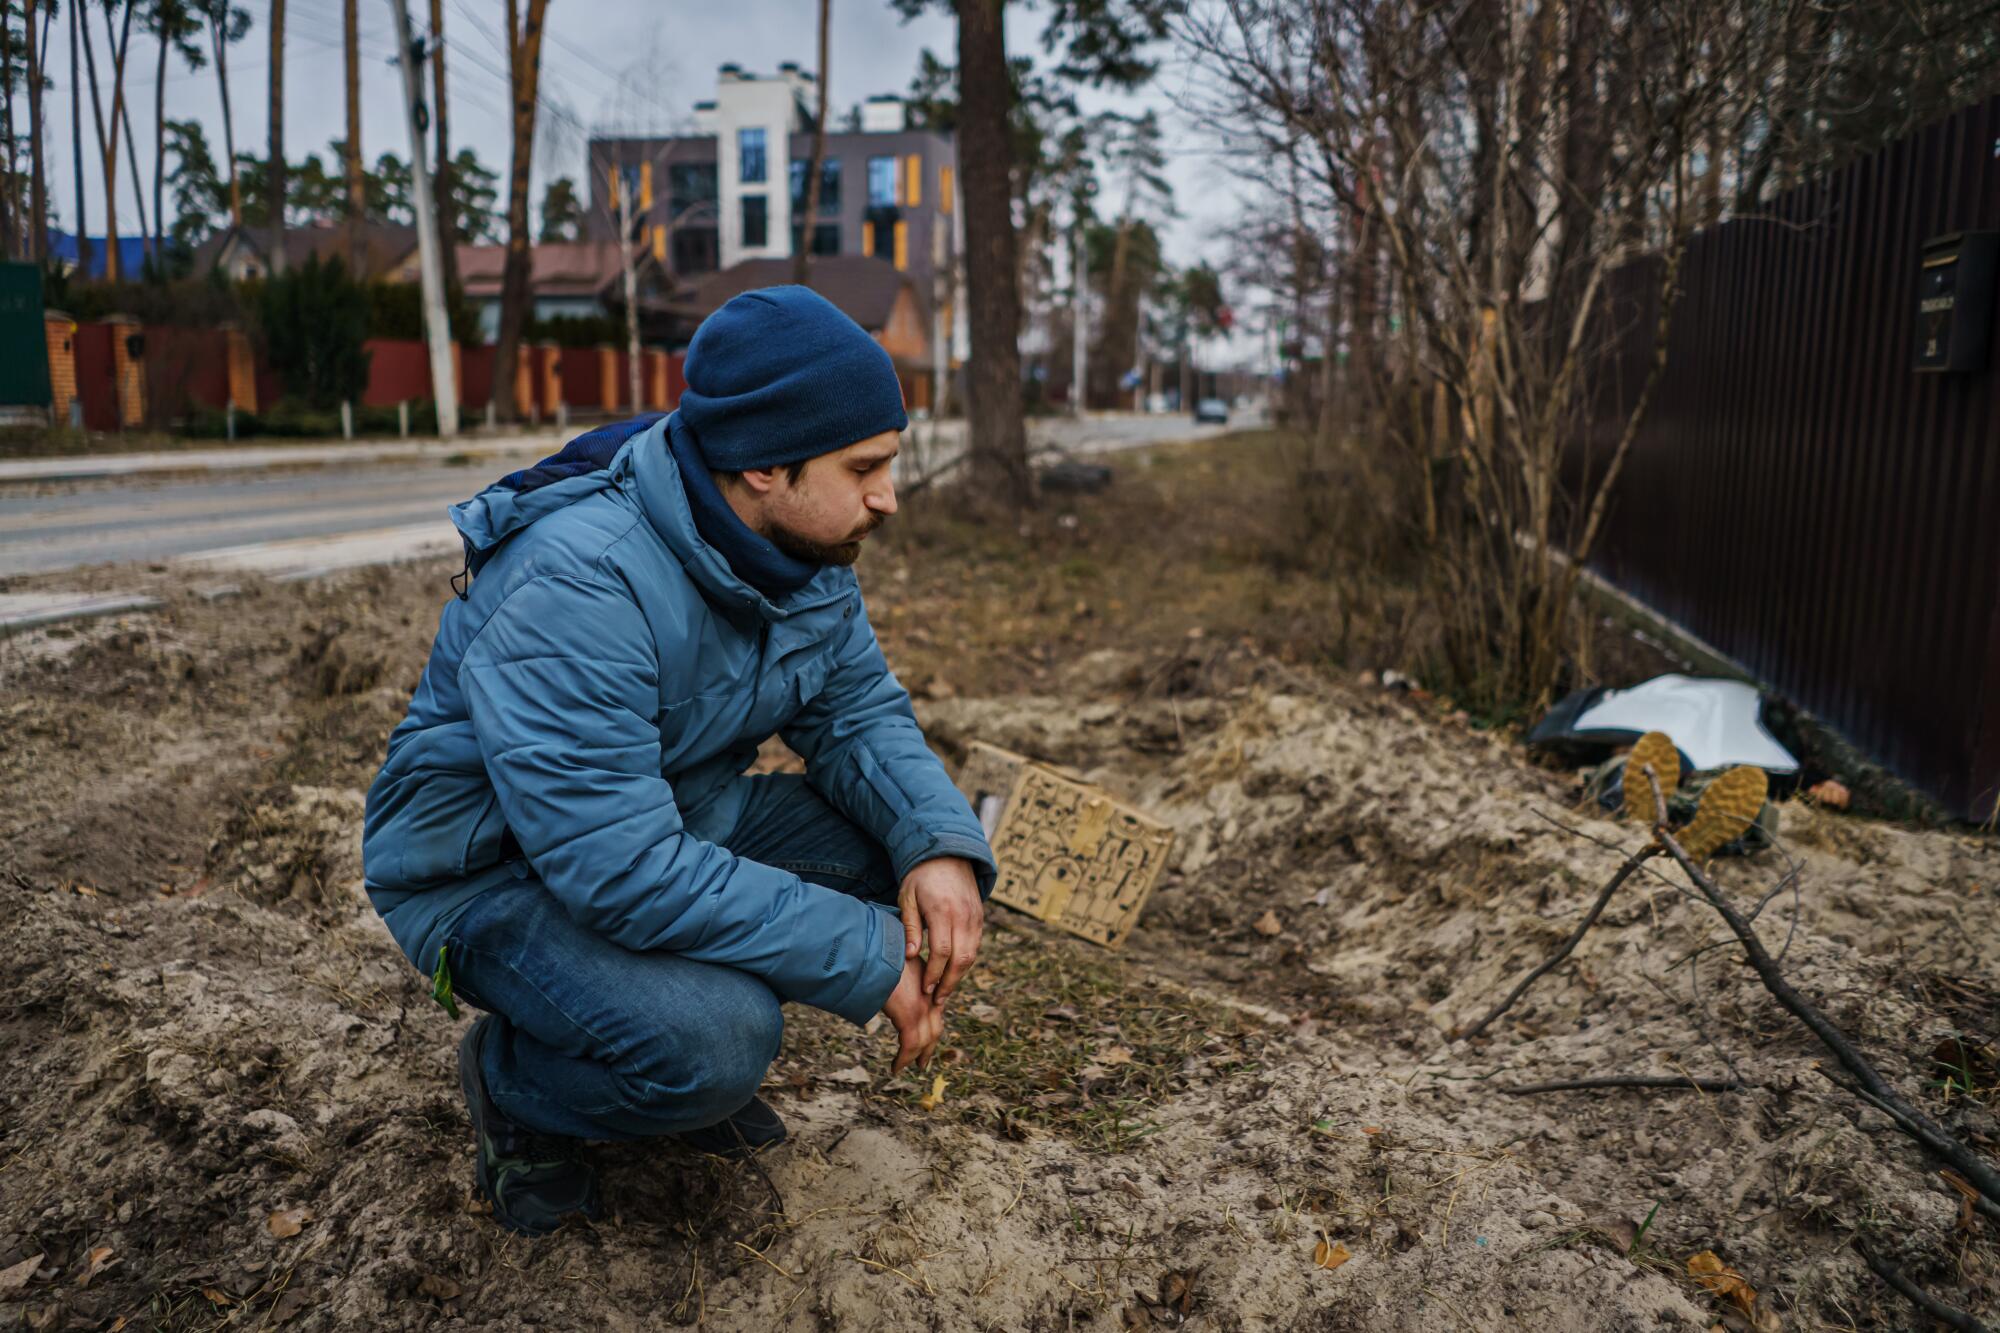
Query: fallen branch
(1913, 1122)
(1625, 872)
(1923, 1300)
(1682, 1084)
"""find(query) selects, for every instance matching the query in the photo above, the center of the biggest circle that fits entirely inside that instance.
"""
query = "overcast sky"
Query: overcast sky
(623, 64)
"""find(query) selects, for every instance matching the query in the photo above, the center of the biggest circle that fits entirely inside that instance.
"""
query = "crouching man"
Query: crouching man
(563, 833)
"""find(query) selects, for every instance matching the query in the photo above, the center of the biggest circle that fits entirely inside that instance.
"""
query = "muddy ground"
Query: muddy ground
(229, 1102)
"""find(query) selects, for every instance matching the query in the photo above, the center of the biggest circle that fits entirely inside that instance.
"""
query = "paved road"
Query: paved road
(298, 520)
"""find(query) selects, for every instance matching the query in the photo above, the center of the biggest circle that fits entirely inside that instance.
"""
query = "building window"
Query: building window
(756, 222)
(884, 237)
(696, 251)
(750, 155)
(881, 182)
(825, 238)
(691, 183)
(829, 185)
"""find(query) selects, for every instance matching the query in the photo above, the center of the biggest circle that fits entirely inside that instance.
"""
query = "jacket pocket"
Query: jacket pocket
(810, 680)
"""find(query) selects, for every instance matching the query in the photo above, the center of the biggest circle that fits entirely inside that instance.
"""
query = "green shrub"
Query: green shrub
(577, 331)
(315, 320)
(396, 310)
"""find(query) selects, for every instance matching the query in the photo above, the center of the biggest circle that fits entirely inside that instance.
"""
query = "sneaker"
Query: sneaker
(748, 1132)
(535, 1182)
(1729, 806)
(1656, 750)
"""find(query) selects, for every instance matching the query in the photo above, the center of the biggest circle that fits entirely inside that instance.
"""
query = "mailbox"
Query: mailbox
(1955, 301)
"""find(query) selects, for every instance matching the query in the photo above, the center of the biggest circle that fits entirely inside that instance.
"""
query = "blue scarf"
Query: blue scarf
(756, 561)
(753, 558)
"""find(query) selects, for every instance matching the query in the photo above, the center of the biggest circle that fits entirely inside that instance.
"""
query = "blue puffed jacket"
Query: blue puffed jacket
(586, 717)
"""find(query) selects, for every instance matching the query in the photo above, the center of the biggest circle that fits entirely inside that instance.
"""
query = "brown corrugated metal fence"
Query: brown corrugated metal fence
(1798, 496)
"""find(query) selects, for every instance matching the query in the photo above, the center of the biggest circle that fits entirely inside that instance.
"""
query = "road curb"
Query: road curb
(61, 610)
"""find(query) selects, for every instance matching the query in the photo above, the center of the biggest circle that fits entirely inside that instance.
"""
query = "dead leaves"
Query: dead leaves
(99, 1259)
(1268, 925)
(438, 1288)
(286, 1223)
(1722, 1281)
(15, 1278)
(1330, 1254)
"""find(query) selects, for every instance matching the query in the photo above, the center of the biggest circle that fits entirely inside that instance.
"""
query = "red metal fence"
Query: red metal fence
(182, 371)
(1802, 499)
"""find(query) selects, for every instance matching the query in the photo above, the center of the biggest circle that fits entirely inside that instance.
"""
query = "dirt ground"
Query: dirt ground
(230, 1102)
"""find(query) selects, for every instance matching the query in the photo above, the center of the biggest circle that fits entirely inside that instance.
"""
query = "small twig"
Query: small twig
(1913, 1122)
(1683, 1084)
(1923, 1300)
(1908, 1126)
(765, 1258)
(1632, 863)
(923, 1286)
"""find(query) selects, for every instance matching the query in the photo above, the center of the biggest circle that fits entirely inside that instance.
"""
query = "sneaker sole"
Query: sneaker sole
(1728, 807)
(1656, 749)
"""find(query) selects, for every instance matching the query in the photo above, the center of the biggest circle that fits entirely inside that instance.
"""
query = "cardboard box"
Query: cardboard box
(1069, 853)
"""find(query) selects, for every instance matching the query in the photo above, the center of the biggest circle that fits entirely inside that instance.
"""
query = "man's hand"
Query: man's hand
(942, 897)
(918, 1022)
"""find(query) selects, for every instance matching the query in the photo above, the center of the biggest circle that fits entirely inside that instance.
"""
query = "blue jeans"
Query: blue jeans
(594, 1041)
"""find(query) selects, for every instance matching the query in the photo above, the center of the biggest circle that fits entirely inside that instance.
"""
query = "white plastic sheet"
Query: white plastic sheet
(1714, 722)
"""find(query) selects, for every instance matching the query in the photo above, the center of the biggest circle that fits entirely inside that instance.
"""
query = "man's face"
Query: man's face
(837, 501)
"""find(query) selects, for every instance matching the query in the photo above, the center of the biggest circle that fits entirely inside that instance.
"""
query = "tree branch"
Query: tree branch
(1625, 872)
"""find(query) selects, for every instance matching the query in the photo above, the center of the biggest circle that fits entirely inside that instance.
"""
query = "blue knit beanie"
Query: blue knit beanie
(780, 375)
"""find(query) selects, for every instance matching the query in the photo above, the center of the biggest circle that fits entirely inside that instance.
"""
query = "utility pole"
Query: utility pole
(1079, 321)
(436, 326)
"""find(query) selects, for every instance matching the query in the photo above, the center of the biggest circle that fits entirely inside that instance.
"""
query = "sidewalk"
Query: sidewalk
(84, 466)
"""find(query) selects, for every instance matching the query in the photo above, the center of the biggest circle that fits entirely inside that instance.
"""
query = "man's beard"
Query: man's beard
(822, 553)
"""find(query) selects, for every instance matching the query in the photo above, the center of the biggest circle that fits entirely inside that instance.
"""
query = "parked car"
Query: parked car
(1212, 409)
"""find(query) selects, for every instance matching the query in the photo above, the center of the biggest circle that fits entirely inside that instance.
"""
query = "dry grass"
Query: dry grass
(1049, 1034)
(1207, 536)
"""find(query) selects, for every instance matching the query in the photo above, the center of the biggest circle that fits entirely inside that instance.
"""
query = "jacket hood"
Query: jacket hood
(603, 459)
(580, 468)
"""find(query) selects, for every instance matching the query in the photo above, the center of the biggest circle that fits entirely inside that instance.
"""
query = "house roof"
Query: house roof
(863, 287)
(384, 245)
(578, 268)
(132, 251)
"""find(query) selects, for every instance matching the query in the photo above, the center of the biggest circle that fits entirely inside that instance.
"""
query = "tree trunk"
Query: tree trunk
(628, 264)
(76, 142)
(132, 152)
(802, 253)
(276, 166)
(160, 149)
(357, 191)
(524, 67)
(999, 437)
(218, 36)
(1586, 151)
(107, 143)
(10, 194)
(38, 198)
(441, 178)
